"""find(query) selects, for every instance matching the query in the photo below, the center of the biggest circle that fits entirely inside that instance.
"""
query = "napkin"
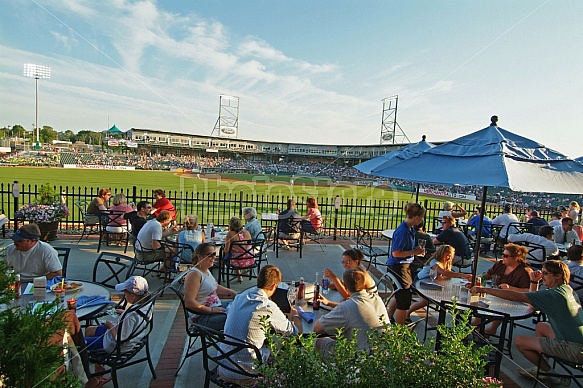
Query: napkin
(305, 315)
(53, 281)
(91, 300)
(431, 286)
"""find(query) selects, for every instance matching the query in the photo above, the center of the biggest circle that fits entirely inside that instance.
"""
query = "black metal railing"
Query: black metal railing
(216, 207)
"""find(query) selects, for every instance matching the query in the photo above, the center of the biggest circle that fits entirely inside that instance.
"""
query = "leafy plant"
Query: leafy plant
(47, 195)
(28, 357)
(396, 359)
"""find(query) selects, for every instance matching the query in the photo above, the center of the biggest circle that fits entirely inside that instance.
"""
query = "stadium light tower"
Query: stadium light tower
(37, 72)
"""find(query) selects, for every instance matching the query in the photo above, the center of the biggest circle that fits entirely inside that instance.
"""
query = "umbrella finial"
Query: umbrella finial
(423, 138)
(494, 121)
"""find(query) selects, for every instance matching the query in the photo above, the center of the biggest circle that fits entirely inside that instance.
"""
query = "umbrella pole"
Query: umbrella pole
(417, 194)
(479, 234)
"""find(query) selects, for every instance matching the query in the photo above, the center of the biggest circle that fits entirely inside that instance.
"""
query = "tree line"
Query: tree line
(48, 134)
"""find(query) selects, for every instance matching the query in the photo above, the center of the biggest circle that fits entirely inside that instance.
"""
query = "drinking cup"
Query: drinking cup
(72, 304)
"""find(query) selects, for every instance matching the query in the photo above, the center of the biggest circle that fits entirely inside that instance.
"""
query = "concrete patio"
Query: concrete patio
(168, 336)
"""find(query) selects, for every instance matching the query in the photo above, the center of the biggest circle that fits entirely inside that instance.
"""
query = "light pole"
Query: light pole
(36, 72)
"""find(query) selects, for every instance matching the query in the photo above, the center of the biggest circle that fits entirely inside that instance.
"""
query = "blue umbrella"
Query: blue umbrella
(393, 157)
(580, 159)
(491, 157)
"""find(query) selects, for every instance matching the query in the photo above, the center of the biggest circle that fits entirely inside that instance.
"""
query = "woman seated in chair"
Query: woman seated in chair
(313, 220)
(201, 291)
(351, 258)
(104, 336)
(242, 257)
(441, 261)
(117, 223)
(95, 207)
(191, 235)
(512, 273)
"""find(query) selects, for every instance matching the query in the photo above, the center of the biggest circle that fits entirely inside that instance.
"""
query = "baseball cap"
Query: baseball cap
(135, 284)
(26, 232)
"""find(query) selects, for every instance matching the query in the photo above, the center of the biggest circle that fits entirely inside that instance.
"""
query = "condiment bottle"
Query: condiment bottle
(301, 292)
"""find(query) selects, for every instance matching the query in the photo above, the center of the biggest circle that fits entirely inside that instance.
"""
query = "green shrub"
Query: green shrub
(396, 359)
(27, 359)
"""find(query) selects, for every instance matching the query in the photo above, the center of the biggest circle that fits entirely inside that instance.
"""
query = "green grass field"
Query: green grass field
(261, 185)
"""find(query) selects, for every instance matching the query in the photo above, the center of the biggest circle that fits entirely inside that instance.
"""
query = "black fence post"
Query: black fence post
(15, 194)
(336, 208)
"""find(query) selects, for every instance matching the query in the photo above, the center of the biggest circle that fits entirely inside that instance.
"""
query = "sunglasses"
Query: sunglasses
(347, 261)
(545, 273)
(211, 254)
(506, 256)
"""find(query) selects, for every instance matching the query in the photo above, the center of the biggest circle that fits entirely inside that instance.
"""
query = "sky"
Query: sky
(305, 71)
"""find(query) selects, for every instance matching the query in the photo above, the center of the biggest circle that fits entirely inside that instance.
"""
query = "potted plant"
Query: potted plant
(46, 211)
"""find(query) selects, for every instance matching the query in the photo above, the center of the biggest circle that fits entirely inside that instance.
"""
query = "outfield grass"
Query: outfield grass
(261, 185)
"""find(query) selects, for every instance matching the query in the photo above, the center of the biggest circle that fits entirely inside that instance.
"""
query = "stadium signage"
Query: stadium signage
(447, 194)
(98, 167)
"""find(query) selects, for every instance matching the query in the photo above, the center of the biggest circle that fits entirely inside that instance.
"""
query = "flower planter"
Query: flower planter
(48, 230)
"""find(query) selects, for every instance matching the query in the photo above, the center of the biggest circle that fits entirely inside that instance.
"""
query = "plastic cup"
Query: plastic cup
(72, 304)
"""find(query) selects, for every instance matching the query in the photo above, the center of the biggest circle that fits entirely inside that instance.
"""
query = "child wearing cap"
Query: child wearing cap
(104, 336)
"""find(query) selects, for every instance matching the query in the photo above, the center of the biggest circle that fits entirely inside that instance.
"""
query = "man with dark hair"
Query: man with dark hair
(30, 257)
(564, 234)
(474, 221)
(453, 236)
(139, 217)
(535, 219)
(361, 311)
(244, 316)
(562, 335)
(544, 239)
(148, 247)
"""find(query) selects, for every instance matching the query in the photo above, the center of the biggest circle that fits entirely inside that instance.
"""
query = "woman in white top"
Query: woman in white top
(201, 291)
(191, 236)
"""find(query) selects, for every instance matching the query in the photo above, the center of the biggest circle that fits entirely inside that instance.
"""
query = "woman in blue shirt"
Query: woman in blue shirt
(403, 251)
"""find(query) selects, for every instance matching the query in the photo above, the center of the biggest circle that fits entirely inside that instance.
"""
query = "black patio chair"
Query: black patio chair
(129, 341)
(91, 224)
(290, 229)
(191, 332)
(372, 253)
(112, 268)
(115, 219)
(246, 249)
(478, 337)
(572, 370)
(212, 354)
(63, 254)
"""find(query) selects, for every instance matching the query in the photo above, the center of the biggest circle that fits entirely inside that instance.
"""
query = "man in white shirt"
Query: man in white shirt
(148, 247)
(544, 238)
(555, 219)
(505, 219)
(30, 257)
(564, 234)
(244, 322)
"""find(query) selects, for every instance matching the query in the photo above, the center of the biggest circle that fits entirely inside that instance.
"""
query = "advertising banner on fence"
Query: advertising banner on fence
(98, 167)
(469, 197)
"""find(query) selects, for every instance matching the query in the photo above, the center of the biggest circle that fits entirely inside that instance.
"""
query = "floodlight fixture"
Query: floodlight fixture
(37, 72)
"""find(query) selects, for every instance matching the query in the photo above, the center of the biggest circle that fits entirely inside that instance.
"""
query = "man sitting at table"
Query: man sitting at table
(31, 257)
(361, 311)
(288, 230)
(149, 249)
(244, 322)
(474, 222)
(544, 238)
(562, 335)
(139, 217)
(451, 235)
(535, 219)
(564, 234)
(505, 219)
